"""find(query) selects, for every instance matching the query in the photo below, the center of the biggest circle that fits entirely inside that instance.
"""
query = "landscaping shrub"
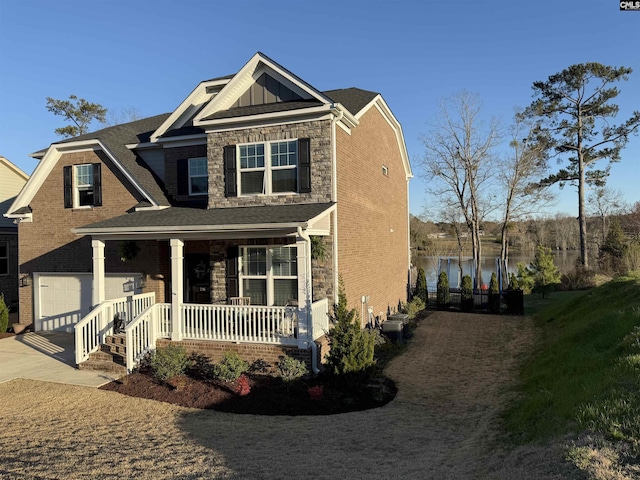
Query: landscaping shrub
(443, 298)
(242, 386)
(494, 294)
(579, 279)
(421, 285)
(415, 306)
(291, 369)
(466, 294)
(4, 314)
(169, 361)
(230, 368)
(351, 347)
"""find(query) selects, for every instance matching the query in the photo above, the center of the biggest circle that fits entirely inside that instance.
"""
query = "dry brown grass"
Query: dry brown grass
(453, 381)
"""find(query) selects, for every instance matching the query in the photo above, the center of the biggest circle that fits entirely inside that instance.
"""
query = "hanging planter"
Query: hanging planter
(128, 250)
(318, 248)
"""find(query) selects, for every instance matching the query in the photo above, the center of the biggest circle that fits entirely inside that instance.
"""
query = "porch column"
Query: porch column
(303, 245)
(98, 290)
(177, 275)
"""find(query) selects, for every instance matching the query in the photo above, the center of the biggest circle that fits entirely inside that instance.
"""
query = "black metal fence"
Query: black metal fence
(508, 302)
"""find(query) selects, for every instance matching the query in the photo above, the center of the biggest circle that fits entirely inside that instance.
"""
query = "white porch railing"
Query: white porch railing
(142, 333)
(91, 331)
(240, 323)
(319, 318)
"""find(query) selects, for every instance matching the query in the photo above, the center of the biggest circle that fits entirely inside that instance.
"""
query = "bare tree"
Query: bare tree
(124, 115)
(458, 162)
(518, 173)
(603, 203)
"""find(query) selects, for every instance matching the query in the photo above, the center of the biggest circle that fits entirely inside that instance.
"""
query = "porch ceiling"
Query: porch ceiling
(169, 222)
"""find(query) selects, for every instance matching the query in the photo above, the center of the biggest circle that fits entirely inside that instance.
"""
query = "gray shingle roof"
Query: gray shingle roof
(265, 108)
(231, 218)
(354, 99)
(115, 138)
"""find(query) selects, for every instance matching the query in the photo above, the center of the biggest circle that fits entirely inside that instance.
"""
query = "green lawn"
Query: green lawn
(585, 372)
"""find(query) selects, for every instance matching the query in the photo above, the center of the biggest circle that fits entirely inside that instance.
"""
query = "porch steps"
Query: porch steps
(111, 357)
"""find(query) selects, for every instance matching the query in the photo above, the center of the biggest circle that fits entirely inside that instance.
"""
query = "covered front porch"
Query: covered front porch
(255, 285)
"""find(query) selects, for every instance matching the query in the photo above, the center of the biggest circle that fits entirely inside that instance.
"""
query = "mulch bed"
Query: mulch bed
(268, 395)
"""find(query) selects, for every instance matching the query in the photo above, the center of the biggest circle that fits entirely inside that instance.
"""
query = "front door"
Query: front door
(198, 278)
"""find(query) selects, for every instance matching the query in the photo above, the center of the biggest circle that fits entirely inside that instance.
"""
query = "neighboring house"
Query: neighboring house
(217, 210)
(12, 179)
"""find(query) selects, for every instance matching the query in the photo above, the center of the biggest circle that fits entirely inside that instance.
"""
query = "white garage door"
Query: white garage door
(62, 300)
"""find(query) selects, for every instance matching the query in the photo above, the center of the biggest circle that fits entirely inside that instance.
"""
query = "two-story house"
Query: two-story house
(12, 179)
(225, 224)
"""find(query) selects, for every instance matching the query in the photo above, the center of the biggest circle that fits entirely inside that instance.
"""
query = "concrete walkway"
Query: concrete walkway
(45, 356)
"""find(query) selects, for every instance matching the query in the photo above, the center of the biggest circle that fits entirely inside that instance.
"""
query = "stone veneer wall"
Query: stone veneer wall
(318, 131)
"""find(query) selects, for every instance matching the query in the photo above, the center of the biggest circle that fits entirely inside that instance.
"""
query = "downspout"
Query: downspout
(334, 198)
(314, 348)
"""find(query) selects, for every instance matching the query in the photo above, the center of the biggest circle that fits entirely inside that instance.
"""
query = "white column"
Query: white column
(98, 272)
(177, 289)
(303, 246)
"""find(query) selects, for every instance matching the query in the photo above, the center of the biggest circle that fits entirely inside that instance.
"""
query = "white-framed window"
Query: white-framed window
(4, 258)
(269, 275)
(198, 176)
(83, 185)
(268, 167)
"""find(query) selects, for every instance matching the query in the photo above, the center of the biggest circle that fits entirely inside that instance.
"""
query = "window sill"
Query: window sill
(83, 209)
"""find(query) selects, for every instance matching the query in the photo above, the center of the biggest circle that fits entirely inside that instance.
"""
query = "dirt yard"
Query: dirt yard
(453, 382)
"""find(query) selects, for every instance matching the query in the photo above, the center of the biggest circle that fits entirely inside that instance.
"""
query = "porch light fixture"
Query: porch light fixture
(25, 281)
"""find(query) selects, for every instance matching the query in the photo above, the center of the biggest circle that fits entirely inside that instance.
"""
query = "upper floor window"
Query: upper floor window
(198, 176)
(269, 167)
(83, 185)
(4, 258)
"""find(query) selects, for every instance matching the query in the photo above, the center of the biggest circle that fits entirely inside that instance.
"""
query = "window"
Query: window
(269, 275)
(198, 176)
(82, 185)
(278, 174)
(4, 258)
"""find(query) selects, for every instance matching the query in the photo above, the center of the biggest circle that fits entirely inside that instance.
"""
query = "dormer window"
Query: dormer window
(198, 176)
(83, 185)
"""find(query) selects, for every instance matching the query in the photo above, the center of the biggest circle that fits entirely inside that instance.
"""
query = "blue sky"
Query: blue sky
(149, 55)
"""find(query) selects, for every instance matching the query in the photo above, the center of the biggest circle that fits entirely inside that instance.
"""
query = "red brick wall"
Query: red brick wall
(248, 351)
(372, 214)
(48, 245)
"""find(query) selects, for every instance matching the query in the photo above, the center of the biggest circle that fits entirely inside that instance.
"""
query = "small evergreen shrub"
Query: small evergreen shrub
(169, 361)
(443, 298)
(415, 306)
(466, 294)
(494, 294)
(259, 366)
(4, 314)
(421, 285)
(351, 347)
(230, 368)
(291, 369)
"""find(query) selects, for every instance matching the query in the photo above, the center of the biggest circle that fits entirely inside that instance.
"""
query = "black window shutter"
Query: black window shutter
(68, 186)
(304, 165)
(97, 184)
(230, 172)
(233, 288)
(183, 176)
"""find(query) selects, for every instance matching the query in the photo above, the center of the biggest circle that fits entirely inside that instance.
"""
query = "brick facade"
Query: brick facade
(8, 283)
(249, 351)
(48, 245)
(372, 215)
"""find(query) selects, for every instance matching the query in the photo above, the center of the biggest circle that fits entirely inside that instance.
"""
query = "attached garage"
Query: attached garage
(62, 300)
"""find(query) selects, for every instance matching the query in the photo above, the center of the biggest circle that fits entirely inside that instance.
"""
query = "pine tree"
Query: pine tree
(545, 274)
(443, 298)
(466, 294)
(613, 250)
(421, 285)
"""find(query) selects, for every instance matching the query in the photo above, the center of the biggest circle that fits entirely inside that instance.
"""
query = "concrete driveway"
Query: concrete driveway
(47, 356)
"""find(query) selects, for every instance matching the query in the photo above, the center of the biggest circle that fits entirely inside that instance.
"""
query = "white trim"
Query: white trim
(300, 112)
(188, 107)
(269, 276)
(248, 74)
(268, 169)
(183, 140)
(49, 161)
(190, 228)
(257, 121)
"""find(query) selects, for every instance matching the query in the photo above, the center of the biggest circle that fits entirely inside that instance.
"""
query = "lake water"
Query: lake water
(564, 260)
